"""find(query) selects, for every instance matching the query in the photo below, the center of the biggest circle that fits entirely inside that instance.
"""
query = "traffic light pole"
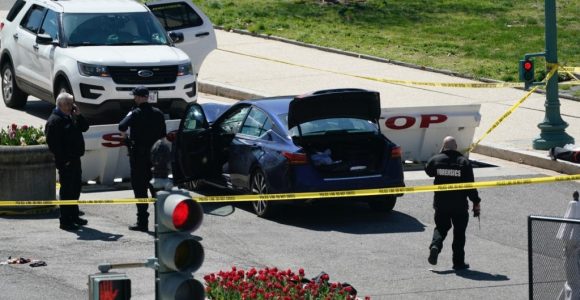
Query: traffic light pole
(553, 128)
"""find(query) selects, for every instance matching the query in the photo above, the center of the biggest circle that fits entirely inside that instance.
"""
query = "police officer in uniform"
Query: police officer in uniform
(64, 136)
(451, 207)
(147, 125)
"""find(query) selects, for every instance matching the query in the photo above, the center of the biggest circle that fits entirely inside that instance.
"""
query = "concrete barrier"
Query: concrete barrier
(420, 130)
(106, 156)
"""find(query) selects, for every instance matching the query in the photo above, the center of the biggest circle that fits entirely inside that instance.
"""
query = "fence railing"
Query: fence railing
(553, 257)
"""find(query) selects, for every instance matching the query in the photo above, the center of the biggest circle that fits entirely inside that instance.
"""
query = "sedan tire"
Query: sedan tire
(259, 185)
(382, 203)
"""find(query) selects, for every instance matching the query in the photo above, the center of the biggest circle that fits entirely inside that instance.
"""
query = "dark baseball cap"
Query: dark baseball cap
(140, 91)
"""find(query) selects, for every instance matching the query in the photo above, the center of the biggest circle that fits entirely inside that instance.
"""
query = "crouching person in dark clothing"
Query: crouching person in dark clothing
(451, 207)
(565, 154)
(147, 125)
(64, 136)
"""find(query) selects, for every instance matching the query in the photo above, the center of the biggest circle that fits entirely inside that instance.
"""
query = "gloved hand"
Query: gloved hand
(476, 210)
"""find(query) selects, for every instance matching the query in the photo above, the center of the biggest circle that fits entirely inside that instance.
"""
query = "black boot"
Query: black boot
(80, 221)
(433, 254)
(139, 226)
(460, 266)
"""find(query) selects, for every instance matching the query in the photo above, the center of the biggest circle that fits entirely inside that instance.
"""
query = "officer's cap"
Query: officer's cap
(140, 91)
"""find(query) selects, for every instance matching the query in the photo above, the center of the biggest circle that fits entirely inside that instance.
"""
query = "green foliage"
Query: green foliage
(482, 38)
(21, 136)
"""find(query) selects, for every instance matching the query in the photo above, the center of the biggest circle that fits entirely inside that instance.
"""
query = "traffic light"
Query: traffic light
(113, 286)
(178, 253)
(527, 72)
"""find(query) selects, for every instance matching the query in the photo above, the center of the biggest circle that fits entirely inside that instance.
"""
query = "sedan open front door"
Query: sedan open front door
(192, 146)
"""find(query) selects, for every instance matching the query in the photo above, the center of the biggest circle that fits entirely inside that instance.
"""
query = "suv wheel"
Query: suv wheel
(63, 87)
(13, 96)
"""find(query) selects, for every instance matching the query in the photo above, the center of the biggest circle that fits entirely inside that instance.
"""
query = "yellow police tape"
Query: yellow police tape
(566, 70)
(392, 81)
(571, 69)
(511, 110)
(313, 195)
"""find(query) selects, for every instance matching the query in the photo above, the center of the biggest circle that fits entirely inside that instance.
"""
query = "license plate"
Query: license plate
(153, 96)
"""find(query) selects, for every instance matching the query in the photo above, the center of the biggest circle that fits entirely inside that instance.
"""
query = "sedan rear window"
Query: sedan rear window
(330, 126)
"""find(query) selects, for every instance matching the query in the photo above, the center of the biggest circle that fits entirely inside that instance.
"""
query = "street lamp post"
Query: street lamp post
(553, 132)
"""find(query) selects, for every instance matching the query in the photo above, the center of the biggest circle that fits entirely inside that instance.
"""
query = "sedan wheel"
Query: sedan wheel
(382, 203)
(259, 185)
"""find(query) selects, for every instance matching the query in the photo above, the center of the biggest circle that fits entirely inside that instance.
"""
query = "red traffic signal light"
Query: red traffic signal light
(527, 72)
(178, 253)
(528, 65)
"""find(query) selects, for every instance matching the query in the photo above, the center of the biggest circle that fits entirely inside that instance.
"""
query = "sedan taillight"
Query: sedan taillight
(296, 158)
(396, 152)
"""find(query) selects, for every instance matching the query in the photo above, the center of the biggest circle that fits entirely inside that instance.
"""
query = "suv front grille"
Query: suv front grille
(129, 75)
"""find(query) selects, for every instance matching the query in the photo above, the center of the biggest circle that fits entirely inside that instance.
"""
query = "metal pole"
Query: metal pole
(552, 129)
(530, 261)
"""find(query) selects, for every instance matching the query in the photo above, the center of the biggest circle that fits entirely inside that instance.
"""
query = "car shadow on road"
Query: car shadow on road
(48, 213)
(325, 215)
(38, 108)
(347, 217)
(474, 275)
(91, 234)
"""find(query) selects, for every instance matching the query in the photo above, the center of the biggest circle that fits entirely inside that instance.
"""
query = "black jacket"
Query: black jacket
(64, 136)
(147, 125)
(451, 167)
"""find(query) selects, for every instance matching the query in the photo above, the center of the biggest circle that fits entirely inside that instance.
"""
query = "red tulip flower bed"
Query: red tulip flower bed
(271, 283)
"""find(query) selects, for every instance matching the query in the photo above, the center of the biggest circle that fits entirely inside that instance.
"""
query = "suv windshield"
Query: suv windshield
(98, 29)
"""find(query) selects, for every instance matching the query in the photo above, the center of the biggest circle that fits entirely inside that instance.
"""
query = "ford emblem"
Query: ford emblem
(145, 73)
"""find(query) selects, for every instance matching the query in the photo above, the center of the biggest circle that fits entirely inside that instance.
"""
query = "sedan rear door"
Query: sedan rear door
(184, 17)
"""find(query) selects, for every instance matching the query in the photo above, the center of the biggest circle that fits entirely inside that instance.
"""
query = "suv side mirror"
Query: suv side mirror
(43, 39)
(176, 37)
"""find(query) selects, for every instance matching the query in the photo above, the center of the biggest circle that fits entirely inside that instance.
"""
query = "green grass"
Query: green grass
(480, 38)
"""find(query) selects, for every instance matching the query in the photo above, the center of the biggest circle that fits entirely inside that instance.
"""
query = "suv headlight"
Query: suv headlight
(93, 70)
(184, 69)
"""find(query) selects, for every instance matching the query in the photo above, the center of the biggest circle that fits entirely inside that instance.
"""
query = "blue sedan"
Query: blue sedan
(323, 141)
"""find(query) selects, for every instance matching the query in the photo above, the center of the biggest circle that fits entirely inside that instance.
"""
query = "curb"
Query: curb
(227, 91)
(380, 59)
(529, 158)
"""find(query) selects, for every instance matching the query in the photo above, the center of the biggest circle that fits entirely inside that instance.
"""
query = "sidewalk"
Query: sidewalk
(294, 69)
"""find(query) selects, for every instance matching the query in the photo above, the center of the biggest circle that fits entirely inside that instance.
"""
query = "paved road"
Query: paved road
(383, 256)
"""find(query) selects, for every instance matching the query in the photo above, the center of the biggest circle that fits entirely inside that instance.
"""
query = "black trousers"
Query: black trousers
(140, 181)
(444, 220)
(70, 177)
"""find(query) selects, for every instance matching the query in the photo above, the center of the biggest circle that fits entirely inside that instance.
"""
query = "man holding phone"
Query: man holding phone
(64, 136)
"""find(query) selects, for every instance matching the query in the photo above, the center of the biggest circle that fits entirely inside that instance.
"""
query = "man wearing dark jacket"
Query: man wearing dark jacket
(64, 136)
(147, 125)
(451, 207)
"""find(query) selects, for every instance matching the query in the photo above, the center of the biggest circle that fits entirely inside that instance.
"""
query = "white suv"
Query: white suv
(100, 50)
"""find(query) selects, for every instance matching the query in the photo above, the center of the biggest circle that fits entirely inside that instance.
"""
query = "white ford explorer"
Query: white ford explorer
(100, 50)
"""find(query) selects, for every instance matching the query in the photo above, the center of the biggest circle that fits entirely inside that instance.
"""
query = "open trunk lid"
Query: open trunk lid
(340, 103)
